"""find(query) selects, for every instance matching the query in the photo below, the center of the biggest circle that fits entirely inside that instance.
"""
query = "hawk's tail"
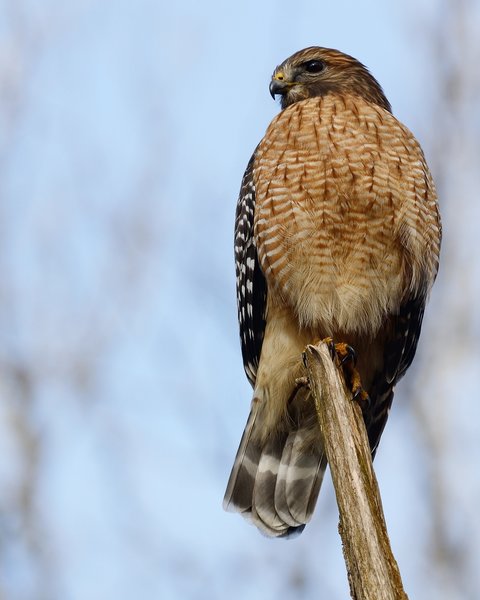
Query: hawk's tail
(275, 484)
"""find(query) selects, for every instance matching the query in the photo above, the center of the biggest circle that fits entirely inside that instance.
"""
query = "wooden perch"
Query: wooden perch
(372, 570)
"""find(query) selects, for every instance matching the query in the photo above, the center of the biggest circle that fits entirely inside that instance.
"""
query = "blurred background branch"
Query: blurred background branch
(445, 377)
(124, 132)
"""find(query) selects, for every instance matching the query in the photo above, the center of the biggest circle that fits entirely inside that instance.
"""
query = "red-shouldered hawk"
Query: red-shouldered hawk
(337, 234)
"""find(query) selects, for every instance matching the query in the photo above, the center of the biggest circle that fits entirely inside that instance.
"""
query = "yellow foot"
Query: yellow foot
(345, 357)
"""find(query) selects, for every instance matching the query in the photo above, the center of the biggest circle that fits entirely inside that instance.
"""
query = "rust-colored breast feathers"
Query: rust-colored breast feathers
(345, 209)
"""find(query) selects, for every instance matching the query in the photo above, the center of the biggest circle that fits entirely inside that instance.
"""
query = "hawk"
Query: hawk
(337, 234)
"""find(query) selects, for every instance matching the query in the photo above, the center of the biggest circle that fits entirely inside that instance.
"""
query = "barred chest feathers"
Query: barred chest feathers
(343, 213)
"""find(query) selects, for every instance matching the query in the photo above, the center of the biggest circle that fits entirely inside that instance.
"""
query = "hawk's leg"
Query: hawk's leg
(347, 359)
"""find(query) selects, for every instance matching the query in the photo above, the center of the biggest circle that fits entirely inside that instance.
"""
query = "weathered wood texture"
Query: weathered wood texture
(372, 570)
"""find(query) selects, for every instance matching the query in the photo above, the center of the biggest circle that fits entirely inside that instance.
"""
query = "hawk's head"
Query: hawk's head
(318, 71)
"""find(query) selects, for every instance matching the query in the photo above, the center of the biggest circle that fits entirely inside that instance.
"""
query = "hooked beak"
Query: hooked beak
(279, 85)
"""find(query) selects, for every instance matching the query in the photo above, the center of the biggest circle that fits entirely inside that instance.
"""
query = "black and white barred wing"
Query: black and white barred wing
(251, 284)
(398, 356)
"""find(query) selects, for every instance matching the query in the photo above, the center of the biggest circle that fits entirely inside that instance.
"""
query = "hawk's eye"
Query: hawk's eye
(314, 66)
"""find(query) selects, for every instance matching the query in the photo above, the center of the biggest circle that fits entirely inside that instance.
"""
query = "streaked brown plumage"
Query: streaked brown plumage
(337, 234)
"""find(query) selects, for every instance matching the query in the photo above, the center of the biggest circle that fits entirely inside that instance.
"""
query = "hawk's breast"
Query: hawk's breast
(343, 208)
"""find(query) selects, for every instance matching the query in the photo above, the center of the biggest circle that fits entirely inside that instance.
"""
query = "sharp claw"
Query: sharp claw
(351, 355)
(346, 354)
(361, 397)
(346, 357)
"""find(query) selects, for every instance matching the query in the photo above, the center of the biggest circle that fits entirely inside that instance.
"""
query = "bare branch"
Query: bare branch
(372, 570)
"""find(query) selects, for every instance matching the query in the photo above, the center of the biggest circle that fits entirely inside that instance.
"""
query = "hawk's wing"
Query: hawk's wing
(251, 284)
(399, 353)
(401, 349)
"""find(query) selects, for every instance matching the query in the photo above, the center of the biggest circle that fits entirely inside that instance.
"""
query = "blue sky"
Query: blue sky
(130, 128)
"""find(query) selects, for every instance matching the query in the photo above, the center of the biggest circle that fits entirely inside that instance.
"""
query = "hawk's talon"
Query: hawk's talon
(361, 397)
(351, 355)
(346, 358)
(346, 354)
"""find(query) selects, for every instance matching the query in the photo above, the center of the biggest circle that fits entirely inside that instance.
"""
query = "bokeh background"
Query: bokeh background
(125, 128)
